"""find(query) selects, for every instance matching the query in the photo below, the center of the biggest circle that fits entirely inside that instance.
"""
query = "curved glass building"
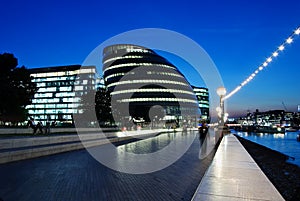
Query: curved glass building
(144, 85)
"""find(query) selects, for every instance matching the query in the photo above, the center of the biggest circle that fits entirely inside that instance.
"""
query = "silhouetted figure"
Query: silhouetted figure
(53, 124)
(203, 131)
(40, 127)
(32, 125)
(48, 125)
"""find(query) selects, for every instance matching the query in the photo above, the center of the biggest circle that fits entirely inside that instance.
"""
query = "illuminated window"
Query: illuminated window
(147, 81)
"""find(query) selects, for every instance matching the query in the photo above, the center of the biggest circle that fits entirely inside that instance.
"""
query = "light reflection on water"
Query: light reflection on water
(283, 142)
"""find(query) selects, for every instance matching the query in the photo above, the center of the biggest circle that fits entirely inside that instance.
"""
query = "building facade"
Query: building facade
(144, 85)
(59, 91)
(203, 101)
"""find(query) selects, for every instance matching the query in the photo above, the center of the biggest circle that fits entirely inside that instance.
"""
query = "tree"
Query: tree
(103, 107)
(16, 89)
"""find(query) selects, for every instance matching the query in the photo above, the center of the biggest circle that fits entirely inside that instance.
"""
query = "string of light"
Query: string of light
(269, 59)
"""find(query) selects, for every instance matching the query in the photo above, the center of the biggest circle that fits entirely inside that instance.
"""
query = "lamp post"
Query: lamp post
(221, 91)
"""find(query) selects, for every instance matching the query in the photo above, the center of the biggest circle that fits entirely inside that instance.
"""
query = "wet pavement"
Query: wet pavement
(76, 175)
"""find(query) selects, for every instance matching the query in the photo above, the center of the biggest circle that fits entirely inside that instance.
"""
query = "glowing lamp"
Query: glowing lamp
(281, 47)
(289, 40)
(221, 91)
(269, 59)
(275, 54)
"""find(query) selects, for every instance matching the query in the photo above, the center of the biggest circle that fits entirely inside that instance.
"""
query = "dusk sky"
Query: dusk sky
(237, 35)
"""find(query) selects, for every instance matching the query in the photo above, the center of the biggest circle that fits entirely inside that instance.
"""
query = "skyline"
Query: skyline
(238, 36)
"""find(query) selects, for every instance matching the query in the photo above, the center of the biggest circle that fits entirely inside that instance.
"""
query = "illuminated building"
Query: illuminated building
(203, 100)
(139, 80)
(59, 90)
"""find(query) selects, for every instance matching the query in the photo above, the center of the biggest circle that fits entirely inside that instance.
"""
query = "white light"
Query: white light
(289, 40)
(275, 54)
(269, 59)
(265, 64)
(281, 47)
(221, 91)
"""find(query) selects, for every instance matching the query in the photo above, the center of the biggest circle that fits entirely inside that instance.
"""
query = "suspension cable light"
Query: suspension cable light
(269, 59)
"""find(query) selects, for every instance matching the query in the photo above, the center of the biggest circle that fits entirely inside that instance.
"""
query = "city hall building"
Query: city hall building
(142, 82)
(57, 97)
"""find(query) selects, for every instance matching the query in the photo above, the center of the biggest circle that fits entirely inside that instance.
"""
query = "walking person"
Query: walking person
(40, 127)
(48, 125)
(32, 125)
(203, 130)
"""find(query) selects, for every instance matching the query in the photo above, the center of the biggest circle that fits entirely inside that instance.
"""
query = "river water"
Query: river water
(285, 143)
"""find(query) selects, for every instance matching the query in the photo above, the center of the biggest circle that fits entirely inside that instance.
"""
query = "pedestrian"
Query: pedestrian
(203, 130)
(32, 124)
(48, 125)
(40, 127)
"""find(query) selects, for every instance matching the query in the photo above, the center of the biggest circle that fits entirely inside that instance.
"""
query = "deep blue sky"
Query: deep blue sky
(238, 36)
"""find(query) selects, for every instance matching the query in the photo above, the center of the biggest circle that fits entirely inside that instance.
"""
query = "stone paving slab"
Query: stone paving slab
(234, 175)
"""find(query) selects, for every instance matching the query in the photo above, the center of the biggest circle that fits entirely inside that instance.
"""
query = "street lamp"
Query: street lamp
(221, 91)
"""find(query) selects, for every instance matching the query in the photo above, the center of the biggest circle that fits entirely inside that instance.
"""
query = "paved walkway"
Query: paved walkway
(234, 175)
(76, 176)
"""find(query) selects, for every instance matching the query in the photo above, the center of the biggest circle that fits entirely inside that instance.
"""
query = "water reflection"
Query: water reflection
(150, 145)
(156, 143)
(161, 141)
(285, 143)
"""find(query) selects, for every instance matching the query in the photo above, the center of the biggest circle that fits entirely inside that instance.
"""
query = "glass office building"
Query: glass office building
(203, 101)
(57, 98)
(144, 85)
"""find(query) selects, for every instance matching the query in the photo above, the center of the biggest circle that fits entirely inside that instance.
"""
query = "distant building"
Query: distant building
(203, 101)
(269, 118)
(58, 92)
(138, 80)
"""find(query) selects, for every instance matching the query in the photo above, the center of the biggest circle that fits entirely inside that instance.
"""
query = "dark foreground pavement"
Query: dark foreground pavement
(78, 176)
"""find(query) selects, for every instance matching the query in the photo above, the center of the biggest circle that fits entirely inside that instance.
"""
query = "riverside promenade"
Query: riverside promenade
(230, 174)
(234, 175)
(77, 176)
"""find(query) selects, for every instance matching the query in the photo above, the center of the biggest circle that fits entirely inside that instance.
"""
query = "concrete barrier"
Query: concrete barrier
(16, 131)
